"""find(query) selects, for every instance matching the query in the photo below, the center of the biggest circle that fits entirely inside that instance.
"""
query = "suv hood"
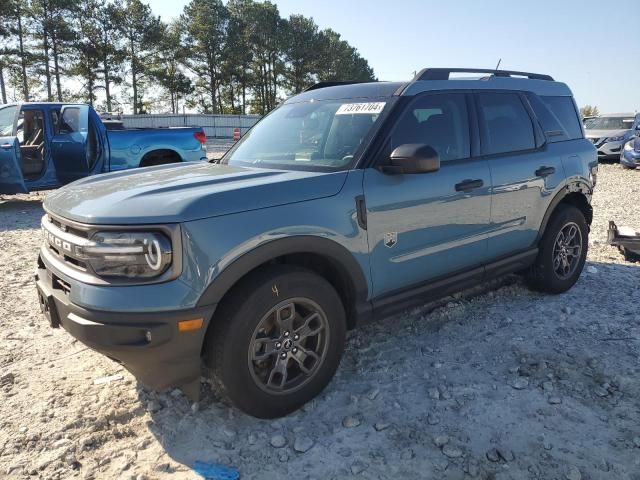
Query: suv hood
(604, 133)
(183, 192)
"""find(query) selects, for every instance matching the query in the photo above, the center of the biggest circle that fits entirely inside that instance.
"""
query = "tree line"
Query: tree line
(235, 57)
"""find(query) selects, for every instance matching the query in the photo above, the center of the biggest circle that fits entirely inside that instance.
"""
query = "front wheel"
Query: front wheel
(276, 341)
(562, 252)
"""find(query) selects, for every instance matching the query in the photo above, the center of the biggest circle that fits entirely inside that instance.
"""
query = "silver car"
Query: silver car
(610, 132)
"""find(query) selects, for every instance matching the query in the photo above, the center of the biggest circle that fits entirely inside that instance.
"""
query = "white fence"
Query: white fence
(215, 126)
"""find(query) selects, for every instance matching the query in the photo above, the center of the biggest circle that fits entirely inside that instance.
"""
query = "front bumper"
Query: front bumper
(610, 150)
(630, 158)
(149, 345)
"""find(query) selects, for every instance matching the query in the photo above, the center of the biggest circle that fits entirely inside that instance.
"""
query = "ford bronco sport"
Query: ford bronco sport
(346, 203)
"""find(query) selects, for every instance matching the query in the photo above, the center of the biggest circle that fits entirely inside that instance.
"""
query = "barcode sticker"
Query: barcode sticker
(361, 108)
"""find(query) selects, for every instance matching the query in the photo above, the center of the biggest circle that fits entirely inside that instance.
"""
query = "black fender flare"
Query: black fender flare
(339, 257)
(579, 187)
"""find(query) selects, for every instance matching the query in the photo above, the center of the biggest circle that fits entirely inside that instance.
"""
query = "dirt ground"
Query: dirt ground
(499, 383)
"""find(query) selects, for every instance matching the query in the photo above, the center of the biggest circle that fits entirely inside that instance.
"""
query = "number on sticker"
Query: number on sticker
(364, 108)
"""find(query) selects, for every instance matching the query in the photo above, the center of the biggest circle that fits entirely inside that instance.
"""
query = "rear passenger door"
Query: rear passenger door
(524, 172)
(428, 225)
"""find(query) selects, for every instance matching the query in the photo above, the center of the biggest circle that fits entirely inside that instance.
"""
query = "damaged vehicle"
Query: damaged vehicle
(630, 156)
(347, 203)
(627, 239)
(46, 145)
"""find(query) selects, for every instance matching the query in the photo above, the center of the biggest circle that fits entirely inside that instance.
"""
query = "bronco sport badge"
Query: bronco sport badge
(390, 239)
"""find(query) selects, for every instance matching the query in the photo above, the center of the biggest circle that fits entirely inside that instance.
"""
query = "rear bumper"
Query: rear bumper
(149, 345)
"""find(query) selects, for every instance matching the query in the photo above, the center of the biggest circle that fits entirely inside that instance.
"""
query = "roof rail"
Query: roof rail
(444, 73)
(320, 85)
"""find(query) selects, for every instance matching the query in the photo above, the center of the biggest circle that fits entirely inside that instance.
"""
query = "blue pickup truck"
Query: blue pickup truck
(345, 204)
(46, 145)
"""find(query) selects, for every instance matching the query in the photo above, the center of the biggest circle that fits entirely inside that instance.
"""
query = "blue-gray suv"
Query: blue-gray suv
(346, 203)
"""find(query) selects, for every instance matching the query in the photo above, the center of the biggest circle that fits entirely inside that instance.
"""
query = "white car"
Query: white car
(610, 132)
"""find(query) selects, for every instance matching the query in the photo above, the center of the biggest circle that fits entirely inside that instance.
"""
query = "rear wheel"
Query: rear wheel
(276, 341)
(160, 157)
(562, 252)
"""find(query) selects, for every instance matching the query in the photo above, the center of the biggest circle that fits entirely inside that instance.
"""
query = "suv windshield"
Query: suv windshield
(7, 117)
(308, 136)
(610, 123)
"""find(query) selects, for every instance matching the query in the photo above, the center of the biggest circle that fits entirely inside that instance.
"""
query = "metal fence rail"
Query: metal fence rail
(215, 126)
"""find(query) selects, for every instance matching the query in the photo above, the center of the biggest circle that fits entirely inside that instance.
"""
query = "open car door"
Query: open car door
(11, 178)
(69, 144)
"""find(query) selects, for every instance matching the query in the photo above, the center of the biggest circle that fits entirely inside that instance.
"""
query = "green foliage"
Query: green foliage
(231, 57)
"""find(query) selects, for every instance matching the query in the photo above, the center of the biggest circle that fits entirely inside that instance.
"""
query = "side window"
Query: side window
(7, 119)
(505, 124)
(565, 111)
(437, 120)
(553, 130)
(70, 121)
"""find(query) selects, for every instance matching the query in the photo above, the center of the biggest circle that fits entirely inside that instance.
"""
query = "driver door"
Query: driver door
(426, 226)
(11, 178)
(69, 144)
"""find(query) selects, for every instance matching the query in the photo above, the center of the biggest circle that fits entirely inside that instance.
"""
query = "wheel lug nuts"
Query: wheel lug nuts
(296, 336)
(286, 334)
(278, 345)
(295, 350)
(283, 355)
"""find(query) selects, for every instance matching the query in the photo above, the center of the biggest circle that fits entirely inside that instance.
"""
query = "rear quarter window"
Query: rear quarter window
(553, 130)
(565, 111)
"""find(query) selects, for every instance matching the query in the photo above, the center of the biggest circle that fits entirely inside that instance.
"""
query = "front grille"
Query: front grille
(61, 240)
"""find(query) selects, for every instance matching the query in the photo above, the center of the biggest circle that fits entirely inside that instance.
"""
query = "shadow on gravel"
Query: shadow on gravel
(494, 367)
(20, 213)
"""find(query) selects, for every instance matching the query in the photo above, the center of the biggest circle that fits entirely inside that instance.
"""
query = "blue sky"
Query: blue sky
(593, 48)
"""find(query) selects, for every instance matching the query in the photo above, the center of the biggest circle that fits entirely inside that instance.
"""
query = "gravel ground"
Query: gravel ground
(497, 383)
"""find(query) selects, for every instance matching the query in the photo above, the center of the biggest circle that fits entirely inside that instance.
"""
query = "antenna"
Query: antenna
(499, 62)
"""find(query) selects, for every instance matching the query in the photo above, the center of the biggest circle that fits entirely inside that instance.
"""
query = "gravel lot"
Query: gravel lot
(498, 383)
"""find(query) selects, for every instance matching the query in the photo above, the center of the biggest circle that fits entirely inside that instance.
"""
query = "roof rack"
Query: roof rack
(444, 73)
(320, 85)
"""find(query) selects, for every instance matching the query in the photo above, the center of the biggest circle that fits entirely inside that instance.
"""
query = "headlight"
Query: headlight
(615, 139)
(628, 146)
(140, 255)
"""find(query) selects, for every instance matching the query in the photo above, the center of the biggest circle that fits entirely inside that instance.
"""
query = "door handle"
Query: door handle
(6, 146)
(468, 185)
(545, 171)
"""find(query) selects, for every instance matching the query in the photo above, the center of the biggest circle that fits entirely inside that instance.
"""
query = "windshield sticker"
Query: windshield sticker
(361, 108)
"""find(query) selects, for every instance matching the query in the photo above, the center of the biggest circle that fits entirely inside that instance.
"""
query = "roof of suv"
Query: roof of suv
(438, 79)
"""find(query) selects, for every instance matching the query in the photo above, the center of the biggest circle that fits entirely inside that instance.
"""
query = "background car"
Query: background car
(630, 155)
(46, 145)
(610, 132)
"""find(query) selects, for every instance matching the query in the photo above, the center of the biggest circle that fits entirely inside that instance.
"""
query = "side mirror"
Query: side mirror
(638, 130)
(412, 158)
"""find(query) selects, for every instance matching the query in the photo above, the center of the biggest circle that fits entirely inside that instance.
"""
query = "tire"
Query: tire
(543, 276)
(246, 326)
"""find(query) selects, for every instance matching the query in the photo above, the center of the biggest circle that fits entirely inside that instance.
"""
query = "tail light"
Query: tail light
(201, 137)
